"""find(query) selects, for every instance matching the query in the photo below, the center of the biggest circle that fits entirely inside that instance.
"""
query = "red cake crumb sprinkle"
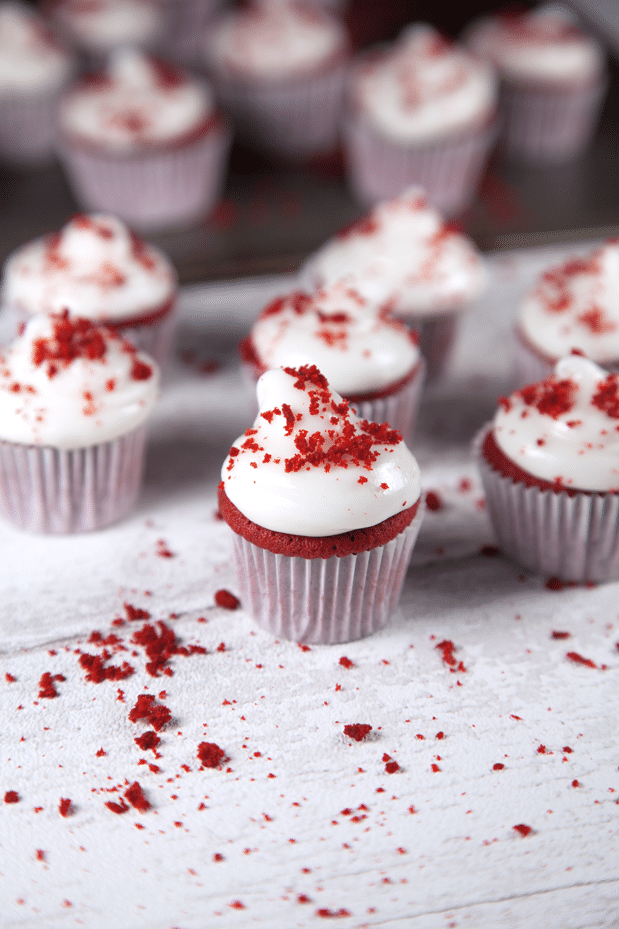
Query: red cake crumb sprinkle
(435, 767)
(71, 339)
(9, 678)
(557, 281)
(541, 750)
(157, 716)
(134, 612)
(579, 659)
(575, 783)
(47, 690)
(40, 854)
(303, 898)
(560, 635)
(346, 662)
(64, 807)
(135, 796)
(100, 753)
(440, 735)
(433, 501)
(118, 808)
(498, 766)
(447, 649)
(11, 796)
(567, 750)
(210, 755)
(148, 740)
(606, 397)
(226, 600)
(551, 397)
(391, 767)
(523, 829)
(237, 905)
(97, 671)
(357, 731)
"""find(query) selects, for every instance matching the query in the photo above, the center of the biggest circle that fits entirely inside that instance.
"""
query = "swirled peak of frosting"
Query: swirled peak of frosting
(94, 264)
(404, 256)
(136, 102)
(103, 25)
(565, 429)
(356, 347)
(67, 383)
(540, 45)
(310, 467)
(30, 59)
(274, 38)
(576, 305)
(424, 87)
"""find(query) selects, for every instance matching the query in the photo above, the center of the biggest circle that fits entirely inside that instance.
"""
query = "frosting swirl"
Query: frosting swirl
(403, 256)
(310, 467)
(69, 384)
(358, 349)
(565, 429)
(424, 87)
(103, 25)
(30, 59)
(576, 305)
(94, 264)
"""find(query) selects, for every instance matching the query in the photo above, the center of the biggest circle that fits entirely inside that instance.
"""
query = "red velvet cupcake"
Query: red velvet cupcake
(325, 510)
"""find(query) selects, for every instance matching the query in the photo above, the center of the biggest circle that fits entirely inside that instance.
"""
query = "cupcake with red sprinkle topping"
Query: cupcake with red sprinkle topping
(549, 463)
(368, 357)
(74, 400)
(325, 510)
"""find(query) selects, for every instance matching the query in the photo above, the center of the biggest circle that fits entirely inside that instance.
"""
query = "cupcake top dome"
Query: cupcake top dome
(274, 39)
(404, 256)
(104, 25)
(565, 429)
(357, 348)
(67, 383)
(95, 264)
(30, 59)
(423, 87)
(309, 466)
(138, 101)
(541, 45)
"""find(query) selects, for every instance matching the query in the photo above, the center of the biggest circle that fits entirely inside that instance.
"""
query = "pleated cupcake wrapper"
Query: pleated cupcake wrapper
(574, 538)
(399, 409)
(449, 170)
(324, 601)
(546, 125)
(159, 188)
(529, 367)
(52, 490)
(437, 338)
(27, 128)
(294, 118)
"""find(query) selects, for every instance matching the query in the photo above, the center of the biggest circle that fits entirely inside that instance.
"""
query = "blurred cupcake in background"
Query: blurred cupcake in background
(371, 359)
(421, 111)
(553, 78)
(34, 68)
(96, 28)
(186, 24)
(278, 68)
(143, 140)
(110, 275)
(403, 257)
(574, 306)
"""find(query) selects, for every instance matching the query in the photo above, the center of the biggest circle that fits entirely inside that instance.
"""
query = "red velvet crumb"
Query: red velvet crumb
(433, 501)
(579, 659)
(560, 635)
(11, 796)
(64, 807)
(148, 740)
(523, 830)
(346, 662)
(135, 796)
(47, 690)
(226, 600)
(70, 339)
(357, 731)
(210, 755)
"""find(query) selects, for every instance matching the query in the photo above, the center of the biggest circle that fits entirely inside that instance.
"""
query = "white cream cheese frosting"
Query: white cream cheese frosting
(423, 88)
(30, 60)
(68, 384)
(565, 429)
(576, 305)
(94, 265)
(272, 39)
(103, 25)
(541, 45)
(404, 256)
(136, 102)
(356, 347)
(310, 467)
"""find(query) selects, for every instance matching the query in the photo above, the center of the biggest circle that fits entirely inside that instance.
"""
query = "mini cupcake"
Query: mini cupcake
(573, 307)
(74, 399)
(550, 467)
(143, 140)
(278, 67)
(553, 81)
(97, 28)
(33, 71)
(403, 257)
(421, 112)
(106, 272)
(325, 509)
(371, 360)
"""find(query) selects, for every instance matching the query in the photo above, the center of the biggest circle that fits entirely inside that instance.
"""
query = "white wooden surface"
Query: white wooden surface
(456, 861)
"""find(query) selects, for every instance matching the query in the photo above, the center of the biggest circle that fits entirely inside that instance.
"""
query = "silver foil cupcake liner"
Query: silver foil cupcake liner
(52, 490)
(574, 538)
(546, 125)
(324, 600)
(157, 188)
(293, 118)
(448, 169)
